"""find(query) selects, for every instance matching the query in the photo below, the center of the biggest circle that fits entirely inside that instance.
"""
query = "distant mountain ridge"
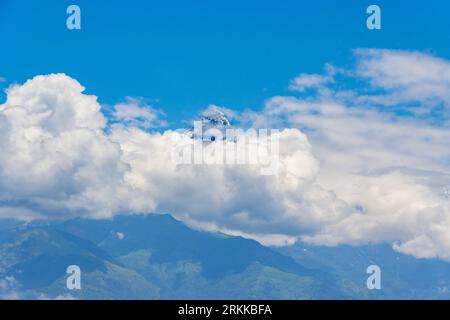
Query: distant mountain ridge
(165, 258)
(402, 276)
(210, 124)
(158, 257)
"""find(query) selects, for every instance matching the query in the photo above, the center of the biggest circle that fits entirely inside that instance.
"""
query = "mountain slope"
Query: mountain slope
(37, 259)
(186, 263)
(156, 256)
(171, 241)
(403, 276)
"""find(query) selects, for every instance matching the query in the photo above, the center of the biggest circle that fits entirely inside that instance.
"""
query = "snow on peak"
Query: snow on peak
(209, 125)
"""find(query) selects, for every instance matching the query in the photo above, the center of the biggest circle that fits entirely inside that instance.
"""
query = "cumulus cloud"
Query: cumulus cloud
(55, 160)
(227, 196)
(135, 112)
(353, 169)
(390, 167)
(58, 161)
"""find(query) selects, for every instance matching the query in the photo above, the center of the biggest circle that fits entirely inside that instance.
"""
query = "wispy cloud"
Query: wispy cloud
(391, 166)
(135, 112)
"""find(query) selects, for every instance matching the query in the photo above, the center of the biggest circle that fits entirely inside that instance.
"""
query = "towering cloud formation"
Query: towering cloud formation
(382, 149)
(57, 161)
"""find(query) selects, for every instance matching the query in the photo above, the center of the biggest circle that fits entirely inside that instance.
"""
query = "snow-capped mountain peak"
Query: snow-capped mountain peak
(210, 122)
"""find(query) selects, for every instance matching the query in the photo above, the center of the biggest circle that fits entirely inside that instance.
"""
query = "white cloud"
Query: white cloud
(354, 171)
(55, 158)
(309, 81)
(9, 288)
(390, 167)
(135, 112)
(232, 197)
(406, 77)
(57, 161)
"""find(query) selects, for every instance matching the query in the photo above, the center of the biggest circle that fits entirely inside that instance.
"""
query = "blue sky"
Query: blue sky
(183, 55)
